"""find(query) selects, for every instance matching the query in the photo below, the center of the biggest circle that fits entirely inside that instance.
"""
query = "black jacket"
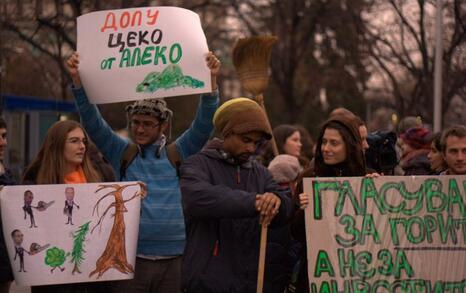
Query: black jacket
(5, 269)
(222, 225)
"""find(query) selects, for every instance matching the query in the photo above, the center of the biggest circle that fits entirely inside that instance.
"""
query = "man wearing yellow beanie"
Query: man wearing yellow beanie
(225, 194)
(241, 115)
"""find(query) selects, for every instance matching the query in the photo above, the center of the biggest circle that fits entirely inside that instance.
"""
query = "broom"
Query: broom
(251, 57)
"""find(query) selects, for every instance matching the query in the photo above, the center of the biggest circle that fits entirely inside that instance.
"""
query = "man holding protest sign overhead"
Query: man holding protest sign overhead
(226, 193)
(151, 160)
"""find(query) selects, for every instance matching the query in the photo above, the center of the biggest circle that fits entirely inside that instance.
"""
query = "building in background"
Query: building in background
(28, 120)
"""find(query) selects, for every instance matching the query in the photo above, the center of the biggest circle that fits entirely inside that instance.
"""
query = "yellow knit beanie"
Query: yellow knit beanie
(241, 115)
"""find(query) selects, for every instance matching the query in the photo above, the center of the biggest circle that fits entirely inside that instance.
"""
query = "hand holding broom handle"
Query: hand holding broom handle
(251, 58)
(263, 247)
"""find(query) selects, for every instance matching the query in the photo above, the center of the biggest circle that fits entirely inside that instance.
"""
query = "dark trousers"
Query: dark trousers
(5, 287)
(154, 276)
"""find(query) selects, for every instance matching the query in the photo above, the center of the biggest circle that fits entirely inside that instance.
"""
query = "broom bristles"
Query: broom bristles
(253, 52)
(251, 57)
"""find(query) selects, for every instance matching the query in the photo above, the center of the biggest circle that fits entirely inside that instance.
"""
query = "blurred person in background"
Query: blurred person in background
(288, 140)
(435, 155)
(407, 123)
(415, 145)
(282, 250)
(308, 146)
(382, 156)
(404, 124)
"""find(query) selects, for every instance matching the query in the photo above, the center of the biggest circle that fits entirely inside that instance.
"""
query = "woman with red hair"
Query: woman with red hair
(415, 146)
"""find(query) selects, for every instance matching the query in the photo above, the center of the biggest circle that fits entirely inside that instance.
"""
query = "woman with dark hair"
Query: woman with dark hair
(437, 163)
(339, 150)
(288, 140)
(64, 159)
(339, 153)
(307, 149)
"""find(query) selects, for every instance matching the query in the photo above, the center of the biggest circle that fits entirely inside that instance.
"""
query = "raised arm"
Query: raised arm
(193, 139)
(108, 142)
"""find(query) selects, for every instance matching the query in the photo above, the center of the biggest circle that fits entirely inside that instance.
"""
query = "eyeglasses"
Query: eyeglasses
(76, 140)
(146, 125)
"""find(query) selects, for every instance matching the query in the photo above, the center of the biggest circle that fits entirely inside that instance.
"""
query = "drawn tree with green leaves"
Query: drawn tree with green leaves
(172, 76)
(77, 254)
(55, 257)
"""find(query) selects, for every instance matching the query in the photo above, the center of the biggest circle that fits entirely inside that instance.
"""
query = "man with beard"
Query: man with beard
(225, 196)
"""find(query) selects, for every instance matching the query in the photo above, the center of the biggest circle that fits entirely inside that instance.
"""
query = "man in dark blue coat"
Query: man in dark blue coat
(225, 196)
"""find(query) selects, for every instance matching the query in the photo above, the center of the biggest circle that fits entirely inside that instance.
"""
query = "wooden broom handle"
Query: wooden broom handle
(263, 248)
(260, 100)
(263, 244)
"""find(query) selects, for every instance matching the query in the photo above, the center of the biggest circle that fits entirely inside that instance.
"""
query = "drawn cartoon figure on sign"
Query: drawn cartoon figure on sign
(27, 207)
(18, 238)
(69, 203)
(34, 248)
(171, 77)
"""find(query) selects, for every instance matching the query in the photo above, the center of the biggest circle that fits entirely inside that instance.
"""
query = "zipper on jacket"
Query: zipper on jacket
(238, 175)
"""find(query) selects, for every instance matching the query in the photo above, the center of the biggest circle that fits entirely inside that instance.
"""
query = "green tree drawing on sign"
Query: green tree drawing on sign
(55, 257)
(78, 246)
(172, 76)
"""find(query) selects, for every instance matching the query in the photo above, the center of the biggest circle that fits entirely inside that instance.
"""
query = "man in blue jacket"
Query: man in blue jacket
(161, 231)
(225, 194)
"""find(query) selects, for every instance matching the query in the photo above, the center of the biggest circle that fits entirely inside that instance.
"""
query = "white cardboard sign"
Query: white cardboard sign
(138, 53)
(70, 233)
(387, 234)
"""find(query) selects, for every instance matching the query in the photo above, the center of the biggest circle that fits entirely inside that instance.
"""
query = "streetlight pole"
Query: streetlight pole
(438, 68)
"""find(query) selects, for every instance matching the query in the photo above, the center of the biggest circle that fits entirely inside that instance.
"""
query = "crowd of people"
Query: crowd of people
(208, 197)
